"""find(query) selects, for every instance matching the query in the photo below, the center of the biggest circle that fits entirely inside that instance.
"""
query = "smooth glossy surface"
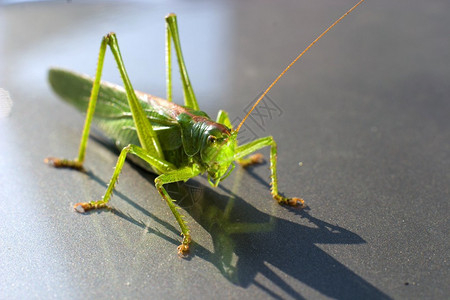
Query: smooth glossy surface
(363, 132)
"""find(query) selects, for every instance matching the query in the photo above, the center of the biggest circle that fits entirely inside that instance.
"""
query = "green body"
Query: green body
(182, 132)
(176, 142)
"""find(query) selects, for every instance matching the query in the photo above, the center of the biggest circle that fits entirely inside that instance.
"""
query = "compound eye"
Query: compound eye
(211, 139)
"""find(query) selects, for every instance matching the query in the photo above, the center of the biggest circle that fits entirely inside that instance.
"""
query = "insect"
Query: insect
(175, 142)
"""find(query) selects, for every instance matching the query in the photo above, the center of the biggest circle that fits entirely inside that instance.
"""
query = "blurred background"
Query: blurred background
(363, 136)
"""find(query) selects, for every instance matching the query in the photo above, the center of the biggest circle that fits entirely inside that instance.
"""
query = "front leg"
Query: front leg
(257, 158)
(255, 145)
(177, 175)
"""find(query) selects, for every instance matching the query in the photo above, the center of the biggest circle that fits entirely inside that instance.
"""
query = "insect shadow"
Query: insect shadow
(247, 240)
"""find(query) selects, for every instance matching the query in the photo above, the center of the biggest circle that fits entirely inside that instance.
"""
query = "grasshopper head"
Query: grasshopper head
(218, 154)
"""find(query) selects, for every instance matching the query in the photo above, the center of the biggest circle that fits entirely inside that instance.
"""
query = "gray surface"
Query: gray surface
(366, 111)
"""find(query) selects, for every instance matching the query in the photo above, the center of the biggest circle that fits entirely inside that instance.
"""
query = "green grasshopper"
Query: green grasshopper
(175, 142)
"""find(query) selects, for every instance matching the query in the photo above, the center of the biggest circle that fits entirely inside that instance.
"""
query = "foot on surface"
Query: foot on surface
(257, 158)
(183, 249)
(64, 163)
(294, 201)
(83, 207)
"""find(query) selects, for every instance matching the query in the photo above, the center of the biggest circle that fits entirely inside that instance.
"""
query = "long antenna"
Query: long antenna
(294, 61)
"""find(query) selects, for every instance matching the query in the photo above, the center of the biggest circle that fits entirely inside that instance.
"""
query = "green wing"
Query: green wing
(112, 113)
